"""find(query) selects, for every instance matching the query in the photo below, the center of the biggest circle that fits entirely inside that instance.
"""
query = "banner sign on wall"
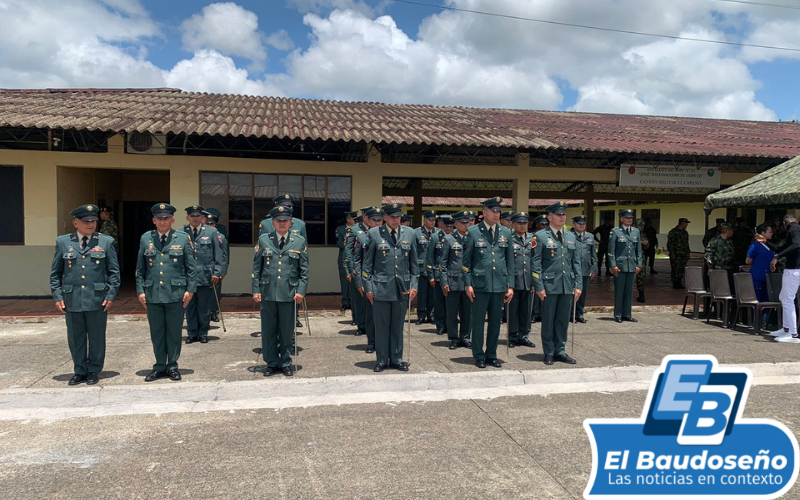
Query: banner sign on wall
(669, 177)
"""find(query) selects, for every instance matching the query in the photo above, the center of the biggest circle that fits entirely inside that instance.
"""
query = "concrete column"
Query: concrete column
(522, 183)
(368, 180)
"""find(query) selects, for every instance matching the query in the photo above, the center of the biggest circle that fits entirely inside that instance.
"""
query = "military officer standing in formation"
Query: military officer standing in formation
(109, 227)
(280, 280)
(359, 314)
(520, 305)
(423, 238)
(505, 219)
(557, 280)
(391, 274)
(588, 250)
(341, 239)
(212, 220)
(440, 303)
(489, 278)
(405, 220)
(679, 251)
(360, 248)
(625, 259)
(165, 284)
(450, 275)
(208, 254)
(84, 281)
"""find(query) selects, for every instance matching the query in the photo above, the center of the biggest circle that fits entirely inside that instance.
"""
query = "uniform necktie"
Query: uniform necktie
(491, 233)
(195, 233)
(84, 242)
(283, 241)
(163, 240)
(560, 238)
(394, 237)
(628, 230)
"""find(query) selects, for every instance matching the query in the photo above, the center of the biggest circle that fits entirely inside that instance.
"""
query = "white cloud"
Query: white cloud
(226, 28)
(210, 71)
(280, 40)
(325, 6)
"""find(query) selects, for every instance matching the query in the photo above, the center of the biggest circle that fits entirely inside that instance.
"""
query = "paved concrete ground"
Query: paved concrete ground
(446, 430)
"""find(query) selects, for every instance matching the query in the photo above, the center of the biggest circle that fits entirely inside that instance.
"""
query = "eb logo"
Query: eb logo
(696, 404)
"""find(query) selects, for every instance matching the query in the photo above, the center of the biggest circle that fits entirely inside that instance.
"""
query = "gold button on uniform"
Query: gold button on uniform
(162, 272)
(83, 277)
(160, 282)
(83, 286)
(83, 267)
(83, 257)
(494, 268)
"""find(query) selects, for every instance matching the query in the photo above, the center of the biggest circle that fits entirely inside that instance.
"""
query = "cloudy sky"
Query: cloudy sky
(392, 51)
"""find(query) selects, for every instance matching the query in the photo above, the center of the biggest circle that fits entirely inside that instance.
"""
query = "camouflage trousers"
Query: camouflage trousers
(678, 268)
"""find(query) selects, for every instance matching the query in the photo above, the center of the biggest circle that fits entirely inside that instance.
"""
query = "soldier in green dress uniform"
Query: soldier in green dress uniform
(360, 248)
(405, 220)
(588, 247)
(226, 252)
(341, 238)
(359, 313)
(520, 305)
(208, 255)
(679, 251)
(625, 259)
(165, 283)
(225, 246)
(556, 264)
(391, 274)
(84, 281)
(280, 280)
(489, 278)
(424, 240)
(440, 302)
(450, 274)
(539, 223)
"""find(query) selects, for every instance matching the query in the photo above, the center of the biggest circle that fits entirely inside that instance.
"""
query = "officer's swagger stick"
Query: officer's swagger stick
(295, 334)
(408, 329)
(305, 312)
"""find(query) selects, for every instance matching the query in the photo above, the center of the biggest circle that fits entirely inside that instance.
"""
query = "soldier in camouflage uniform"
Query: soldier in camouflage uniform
(719, 252)
(109, 227)
(678, 248)
(712, 232)
(742, 237)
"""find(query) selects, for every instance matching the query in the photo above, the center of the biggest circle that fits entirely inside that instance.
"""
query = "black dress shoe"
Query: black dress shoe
(581, 320)
(154, 375)
(419, 321)
(548, 359)
(379, 368)
(525, 342)
(92, 378)
(77, 379)
(343, 309)
(287, 371)
(632, 320)
(190, 340)
(618, 320)
(564, 358)
(538, 319)
(496, 363)
(512, 344)
(403, 366)
(298, 324)
(454, 344)
(174, 375)
(359, 333)
(440, 331)
(269, 371)
(653, 271)
(480, 363)
(214, 317)
(352, 323)
(465, 343)
(204, 339)
(370, 349)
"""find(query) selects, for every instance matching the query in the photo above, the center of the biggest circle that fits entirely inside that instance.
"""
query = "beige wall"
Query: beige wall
(56, 182)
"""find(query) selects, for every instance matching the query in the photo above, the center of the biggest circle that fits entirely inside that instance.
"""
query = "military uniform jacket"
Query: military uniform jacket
(390, 269)
(360, 245)
(298, 227)
(719, 253)
(279, 274)
(341, 235)
(449, 272)
(438, 247)
(523, 279)
(225, 246)
(165, 274)
(587, 245)
(425, 243)
(625, 252)
(349, 246)
(489, 265)
(678, 241)
(84, 279)
(556, 266)
(110, 228)
(207, 252)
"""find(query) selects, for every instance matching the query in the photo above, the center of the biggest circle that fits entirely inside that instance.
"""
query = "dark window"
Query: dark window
(655, 217)
(11, 206)
(320, 201)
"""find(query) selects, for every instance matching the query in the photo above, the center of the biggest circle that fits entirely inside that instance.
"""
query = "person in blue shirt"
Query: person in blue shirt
(759, 257)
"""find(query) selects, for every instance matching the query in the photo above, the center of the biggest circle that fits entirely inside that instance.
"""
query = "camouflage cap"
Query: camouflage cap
(725, 226)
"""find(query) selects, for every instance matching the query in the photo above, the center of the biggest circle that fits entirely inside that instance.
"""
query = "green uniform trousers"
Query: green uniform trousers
(277, 332)
(581, 305)
(354, 295)
(486, 304)
(389, 317)
(425, 298)
(458, 307)
(555, 322)
(369, 319)
(166, 321)
(439, 308)
(343, 283)
(198, 312)
(359, 312)
(519, 315)
(214, 306)
(88, 327)
(536, 312)
(623, 293)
